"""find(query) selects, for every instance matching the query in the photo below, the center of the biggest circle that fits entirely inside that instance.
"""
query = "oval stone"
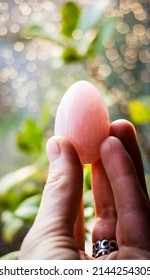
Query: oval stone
(82, 118)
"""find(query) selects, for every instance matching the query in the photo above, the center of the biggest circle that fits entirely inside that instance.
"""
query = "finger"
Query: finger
(79, 234)
(105, 224)
(130, 200)
(65, 180)
(54, 224)
(125, 131)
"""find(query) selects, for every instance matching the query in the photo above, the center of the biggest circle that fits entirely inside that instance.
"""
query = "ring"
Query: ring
(104, 247)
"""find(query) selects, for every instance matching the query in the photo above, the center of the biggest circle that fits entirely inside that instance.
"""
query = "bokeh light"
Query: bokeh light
(20, 61)
(34, 73)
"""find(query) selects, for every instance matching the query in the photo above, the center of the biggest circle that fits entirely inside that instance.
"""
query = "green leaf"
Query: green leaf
(104, 33)
(45, 115)
(92, 40)
(14, 179)
(11, 256)
(87, 177)
(70, 14)
(88, 213)
(30, 139)
(26, 213)
(139, 113)
(34, 200)
(92, 15)
(11, 225)
(38, 31)
(17, 185)
(27, 209)
(70, 55)
(147, 178)
(88, 199)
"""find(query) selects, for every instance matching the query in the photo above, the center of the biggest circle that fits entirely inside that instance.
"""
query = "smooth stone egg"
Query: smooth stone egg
(82, 118)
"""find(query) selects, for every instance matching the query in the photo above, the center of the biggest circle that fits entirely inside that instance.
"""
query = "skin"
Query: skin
(122, 207)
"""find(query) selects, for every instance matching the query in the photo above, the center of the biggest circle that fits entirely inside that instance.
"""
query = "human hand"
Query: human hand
(121, 202)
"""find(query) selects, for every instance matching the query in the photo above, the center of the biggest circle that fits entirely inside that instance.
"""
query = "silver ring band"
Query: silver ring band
(104, 247)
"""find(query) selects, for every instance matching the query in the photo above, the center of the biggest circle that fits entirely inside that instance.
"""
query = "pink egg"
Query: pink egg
(83, 119)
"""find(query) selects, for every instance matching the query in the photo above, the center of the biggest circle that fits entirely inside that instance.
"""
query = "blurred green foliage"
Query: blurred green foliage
(70, 15)
(26, 138)
(20, 193)
(105, 46)
(139, 112)
(11, 256)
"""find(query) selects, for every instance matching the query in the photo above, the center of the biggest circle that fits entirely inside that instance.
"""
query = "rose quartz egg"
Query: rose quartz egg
(83, 119)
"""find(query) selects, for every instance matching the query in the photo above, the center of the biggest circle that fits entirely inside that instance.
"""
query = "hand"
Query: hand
(121, 201)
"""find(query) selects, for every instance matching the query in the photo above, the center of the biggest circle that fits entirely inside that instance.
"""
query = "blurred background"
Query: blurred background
(45, 46)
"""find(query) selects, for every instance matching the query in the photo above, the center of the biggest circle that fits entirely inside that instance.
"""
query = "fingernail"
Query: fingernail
(53, 150)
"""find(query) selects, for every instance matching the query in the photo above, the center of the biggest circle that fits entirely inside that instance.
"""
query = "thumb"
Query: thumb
(63, 190)
(52, 231)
